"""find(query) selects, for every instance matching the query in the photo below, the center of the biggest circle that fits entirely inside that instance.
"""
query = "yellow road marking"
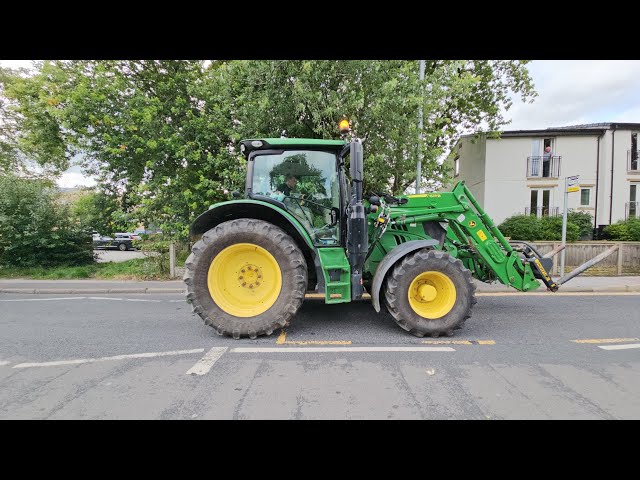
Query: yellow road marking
(460, 342)
(606, 340)
(321, 342)
(282, 338)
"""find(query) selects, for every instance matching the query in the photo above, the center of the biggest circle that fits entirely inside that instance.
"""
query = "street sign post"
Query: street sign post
(571, 184)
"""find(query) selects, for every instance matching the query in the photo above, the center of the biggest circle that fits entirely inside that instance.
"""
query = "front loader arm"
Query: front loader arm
(478, 242)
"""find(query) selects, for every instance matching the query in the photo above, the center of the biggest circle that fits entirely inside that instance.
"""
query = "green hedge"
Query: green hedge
(37, 231)
(530, 228)
(624, 231)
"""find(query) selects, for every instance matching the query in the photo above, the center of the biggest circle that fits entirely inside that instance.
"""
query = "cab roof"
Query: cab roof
(291, 144)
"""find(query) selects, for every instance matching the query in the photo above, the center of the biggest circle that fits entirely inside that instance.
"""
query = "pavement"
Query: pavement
(577, 284)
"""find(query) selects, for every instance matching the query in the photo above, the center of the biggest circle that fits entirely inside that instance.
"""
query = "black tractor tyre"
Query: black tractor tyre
(123, 247)
(398, 282)
(281, 246)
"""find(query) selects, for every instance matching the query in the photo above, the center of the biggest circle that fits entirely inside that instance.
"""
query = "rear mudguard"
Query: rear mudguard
(390, 260)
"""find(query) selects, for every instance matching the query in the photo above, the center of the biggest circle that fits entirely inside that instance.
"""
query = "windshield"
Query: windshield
(307, 183)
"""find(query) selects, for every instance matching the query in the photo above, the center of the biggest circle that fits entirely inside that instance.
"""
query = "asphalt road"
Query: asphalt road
(105, 256)
(146, 356)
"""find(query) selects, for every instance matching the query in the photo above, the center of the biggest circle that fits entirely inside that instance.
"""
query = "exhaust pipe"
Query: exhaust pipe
(357, 237)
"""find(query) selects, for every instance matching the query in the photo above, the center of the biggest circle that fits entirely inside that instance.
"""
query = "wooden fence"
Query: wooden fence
(626, 261)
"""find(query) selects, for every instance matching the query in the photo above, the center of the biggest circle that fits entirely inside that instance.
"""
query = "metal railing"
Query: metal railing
(542, 211)
(632, 210)
(632, 160)
(539, 167)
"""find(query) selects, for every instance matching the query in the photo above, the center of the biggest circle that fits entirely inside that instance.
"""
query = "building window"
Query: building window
(633, 205)
(585, 197)
(456, 164)
(540, 204)
(543, 162)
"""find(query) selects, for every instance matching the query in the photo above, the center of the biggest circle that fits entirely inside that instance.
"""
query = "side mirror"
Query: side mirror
(235, 194)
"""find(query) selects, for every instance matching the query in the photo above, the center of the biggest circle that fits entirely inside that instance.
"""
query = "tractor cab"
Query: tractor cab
(304, 178)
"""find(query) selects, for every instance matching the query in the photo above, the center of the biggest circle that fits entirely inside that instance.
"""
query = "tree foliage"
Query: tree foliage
(97, 211)
(35, 230)
(162, 135)
(31, 140)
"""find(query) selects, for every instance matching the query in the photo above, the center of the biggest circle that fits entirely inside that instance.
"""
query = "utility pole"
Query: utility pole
(564, 224)
(419, 167)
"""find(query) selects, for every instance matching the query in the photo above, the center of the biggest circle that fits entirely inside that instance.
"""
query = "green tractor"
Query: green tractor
(303, 226)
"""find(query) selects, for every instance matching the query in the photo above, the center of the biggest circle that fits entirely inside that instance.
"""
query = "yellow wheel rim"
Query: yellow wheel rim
(432, 295)
(244, 280)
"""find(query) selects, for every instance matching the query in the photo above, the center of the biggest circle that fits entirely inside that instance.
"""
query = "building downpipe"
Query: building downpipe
(613, 149)
(595, 211)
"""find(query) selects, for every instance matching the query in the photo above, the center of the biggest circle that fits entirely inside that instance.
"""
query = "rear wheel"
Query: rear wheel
(246, 277)
(430, 293)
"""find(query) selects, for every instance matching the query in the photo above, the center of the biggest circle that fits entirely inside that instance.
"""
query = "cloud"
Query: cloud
(579, 91)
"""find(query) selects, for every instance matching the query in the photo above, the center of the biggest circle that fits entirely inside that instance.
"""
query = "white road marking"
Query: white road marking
(183, 300)
(338, 349)
(205, 363)
(4, 363)
(619, 347)
(105, 298)
(41, 299)
(115, 357)
(140, 300)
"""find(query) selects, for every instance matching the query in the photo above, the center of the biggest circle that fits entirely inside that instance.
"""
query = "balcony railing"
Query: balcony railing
(538, 167)
(632, 210)
(632, 160)
(542, 211)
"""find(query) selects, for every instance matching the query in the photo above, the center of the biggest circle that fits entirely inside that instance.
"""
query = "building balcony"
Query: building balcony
(539, 167)
(542, 211)
(632, 210)
(632, 161)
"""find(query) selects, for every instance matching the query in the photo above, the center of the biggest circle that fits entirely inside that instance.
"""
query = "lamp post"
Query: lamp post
(419, 166)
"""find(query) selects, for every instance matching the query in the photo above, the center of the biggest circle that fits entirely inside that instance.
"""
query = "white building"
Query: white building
(512, 175)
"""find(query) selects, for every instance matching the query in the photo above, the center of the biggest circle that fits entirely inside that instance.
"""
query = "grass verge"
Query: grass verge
(135, 269)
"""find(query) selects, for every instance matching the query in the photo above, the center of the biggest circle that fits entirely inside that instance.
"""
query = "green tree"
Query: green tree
(35, 230)
(30, 133)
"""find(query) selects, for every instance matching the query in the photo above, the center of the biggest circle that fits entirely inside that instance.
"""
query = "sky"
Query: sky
(570, 92)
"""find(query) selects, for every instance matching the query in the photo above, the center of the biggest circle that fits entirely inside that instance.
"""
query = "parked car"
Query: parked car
(121, 241)
(131, 236)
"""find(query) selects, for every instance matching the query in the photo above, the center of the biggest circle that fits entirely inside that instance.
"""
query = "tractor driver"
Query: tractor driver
(289, 185)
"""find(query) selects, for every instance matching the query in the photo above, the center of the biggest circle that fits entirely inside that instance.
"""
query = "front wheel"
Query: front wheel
(122, 247)
(246, 278)
(430, 292)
